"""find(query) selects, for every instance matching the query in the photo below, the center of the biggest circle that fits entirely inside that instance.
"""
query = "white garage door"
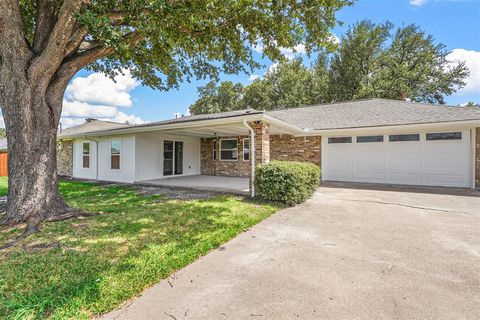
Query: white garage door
(429, 158)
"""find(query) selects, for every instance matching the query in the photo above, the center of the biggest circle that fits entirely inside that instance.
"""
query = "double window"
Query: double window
(246, 149)
(86, 155)
(115, 148)
(229, 149)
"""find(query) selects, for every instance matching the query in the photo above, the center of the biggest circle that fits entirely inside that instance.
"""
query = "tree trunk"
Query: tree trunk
(31, 120)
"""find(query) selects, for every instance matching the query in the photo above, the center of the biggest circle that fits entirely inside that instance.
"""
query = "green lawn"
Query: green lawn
(81, 267)
(3, 186)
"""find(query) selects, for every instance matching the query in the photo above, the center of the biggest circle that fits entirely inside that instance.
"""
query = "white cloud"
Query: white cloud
(99, 89)
(472, 61)
(97, 96)
(333, 38)
(272, 68)
(417, 3)
(291, 52)
(253, 77)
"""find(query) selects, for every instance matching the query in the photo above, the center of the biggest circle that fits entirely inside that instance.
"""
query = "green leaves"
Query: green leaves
(288, 182)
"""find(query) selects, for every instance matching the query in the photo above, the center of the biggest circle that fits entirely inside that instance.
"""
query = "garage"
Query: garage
(430, 158)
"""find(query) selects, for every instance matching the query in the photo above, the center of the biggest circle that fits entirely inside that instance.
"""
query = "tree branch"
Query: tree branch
(12, 37)
(44, 65)
(76, 40)
(44, 23)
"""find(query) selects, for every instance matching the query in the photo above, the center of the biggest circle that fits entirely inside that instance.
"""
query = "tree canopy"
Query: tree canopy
(371, 61)
(44, 43)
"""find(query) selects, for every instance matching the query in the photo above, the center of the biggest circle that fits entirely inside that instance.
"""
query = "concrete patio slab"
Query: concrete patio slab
(202, 182)
(345, 254)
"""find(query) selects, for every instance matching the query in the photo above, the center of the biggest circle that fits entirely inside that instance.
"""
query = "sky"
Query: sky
(455, 23)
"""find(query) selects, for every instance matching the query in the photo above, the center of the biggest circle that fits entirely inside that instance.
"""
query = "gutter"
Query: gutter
(252, 156)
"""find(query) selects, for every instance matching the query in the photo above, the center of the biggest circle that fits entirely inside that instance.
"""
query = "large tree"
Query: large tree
(371, 62)
(44, 43)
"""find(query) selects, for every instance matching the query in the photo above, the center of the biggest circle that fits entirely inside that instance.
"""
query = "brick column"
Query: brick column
(477, 159)
(262, 143)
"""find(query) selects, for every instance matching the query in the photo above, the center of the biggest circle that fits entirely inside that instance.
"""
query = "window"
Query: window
(115, 154)
(228, 149)
(404, 137)
(214, 149)
(369, 139)
(86, 154)
(340, 140)
(246, 149)
(444, 136)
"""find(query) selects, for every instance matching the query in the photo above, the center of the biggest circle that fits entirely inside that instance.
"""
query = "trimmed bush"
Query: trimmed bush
(289, 182)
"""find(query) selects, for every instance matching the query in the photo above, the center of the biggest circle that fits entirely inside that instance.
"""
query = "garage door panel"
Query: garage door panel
(424, 162)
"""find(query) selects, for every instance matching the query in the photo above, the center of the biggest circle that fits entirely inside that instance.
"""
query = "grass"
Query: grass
(79, 268)
(3, 186)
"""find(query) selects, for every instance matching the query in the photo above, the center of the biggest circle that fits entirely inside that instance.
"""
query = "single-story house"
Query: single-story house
(373, 140)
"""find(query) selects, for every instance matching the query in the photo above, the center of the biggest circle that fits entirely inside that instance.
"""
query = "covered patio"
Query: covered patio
(237, 185)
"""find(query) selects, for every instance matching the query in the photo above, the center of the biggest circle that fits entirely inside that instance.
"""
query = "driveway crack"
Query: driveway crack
(406, 206)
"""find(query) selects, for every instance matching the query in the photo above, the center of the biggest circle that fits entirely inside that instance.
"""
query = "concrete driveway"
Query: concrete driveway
(345, 254)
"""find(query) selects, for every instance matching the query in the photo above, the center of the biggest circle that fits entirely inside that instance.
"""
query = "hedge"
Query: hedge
(289, 182)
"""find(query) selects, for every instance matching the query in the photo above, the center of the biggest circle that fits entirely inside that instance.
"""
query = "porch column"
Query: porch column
(262, 143)
(477, 159)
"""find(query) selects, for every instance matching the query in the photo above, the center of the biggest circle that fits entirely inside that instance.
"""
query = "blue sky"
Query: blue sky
(456, 23)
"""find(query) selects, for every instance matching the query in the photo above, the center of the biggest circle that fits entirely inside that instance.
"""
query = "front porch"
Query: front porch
(236, 185)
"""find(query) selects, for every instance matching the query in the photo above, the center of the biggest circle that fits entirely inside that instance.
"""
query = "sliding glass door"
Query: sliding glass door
(172, 157)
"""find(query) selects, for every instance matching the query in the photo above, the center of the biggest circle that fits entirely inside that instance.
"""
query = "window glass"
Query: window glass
(115, 154)
(444, 136)
(404, 137)
(246, 149)
(369, 139)
(86, 154)
(340, 140)
(228, 149)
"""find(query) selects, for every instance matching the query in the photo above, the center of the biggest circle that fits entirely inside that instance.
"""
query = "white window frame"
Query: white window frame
(243, 149)
(119, 155)
(214, 150)
(220, 149)
(89, 153)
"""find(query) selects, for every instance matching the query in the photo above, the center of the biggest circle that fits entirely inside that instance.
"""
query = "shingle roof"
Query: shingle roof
(210, 116)
(91, 125)
(372, 113)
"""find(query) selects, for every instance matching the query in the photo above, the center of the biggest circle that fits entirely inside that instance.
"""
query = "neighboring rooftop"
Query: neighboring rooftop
(372, 113)
(91, 125)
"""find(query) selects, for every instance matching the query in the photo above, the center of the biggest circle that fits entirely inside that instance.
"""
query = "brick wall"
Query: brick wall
(290, 148)
(477, 159)
(65, 158)
(209, 166)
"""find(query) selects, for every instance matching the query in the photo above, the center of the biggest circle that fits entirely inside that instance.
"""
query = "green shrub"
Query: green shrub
(289, 182)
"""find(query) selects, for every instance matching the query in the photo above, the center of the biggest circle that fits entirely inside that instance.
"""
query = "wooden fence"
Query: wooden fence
(3, 164)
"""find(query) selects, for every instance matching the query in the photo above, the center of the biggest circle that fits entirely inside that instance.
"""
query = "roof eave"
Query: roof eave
(425, 125)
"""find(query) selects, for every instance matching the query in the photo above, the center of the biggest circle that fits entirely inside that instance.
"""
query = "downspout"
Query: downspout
(252, 156)
(96, 155)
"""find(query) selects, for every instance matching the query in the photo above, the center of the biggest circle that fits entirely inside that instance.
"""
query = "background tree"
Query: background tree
(44, 43)
(370, 62)
(471, 104)
(355, 63)
(415, 67)
(224, 97)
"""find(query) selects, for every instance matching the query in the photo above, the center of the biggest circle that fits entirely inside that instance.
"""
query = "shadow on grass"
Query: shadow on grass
(133, 242)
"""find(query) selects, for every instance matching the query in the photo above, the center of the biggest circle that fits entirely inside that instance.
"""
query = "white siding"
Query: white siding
(149, 155)
(78, 170)
(127, 160)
